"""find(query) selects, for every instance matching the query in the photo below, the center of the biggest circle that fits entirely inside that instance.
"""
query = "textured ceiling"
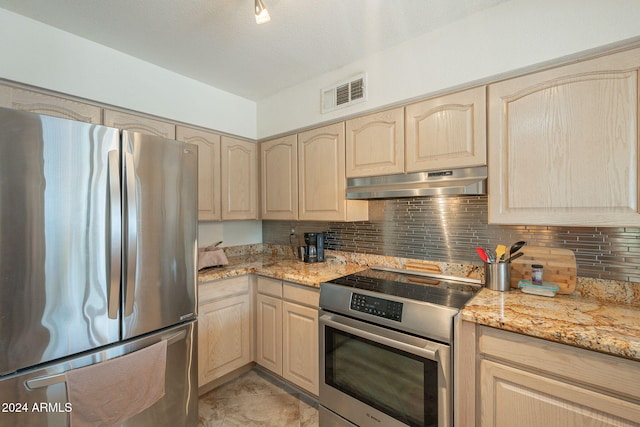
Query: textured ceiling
(218, 42)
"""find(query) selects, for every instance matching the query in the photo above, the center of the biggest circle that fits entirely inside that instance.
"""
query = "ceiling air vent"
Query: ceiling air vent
(344, 94)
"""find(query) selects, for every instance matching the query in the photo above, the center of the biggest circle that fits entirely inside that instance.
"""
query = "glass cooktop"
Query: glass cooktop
(432, 289)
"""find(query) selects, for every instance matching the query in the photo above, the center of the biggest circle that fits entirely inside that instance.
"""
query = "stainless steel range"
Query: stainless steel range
(386, 339)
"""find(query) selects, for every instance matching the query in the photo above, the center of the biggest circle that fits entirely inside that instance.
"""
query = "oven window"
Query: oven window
(400, 384)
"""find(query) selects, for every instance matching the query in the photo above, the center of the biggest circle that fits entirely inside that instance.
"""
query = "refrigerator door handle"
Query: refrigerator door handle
(132, 232)
(115, 227)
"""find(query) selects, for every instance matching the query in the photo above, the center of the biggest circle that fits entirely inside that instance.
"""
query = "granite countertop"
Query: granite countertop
(592, 324)
(603, 317)
(278, 267)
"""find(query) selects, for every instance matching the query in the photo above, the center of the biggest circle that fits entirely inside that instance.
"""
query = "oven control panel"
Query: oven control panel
(377, 306)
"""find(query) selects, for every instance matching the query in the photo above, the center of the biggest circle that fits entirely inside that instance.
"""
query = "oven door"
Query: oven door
(374, 376)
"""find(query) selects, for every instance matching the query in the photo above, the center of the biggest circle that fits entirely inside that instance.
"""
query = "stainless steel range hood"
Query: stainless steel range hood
(463, 181)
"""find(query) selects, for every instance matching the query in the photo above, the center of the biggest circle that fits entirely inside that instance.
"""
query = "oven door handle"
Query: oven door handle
(425, 352)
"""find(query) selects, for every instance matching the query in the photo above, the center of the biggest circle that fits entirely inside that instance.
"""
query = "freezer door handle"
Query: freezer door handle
(45, 381)
(132, 232)
(115, 227)
(174, 338)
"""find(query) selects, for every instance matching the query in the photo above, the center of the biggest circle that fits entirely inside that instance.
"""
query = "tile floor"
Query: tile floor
(257, 399)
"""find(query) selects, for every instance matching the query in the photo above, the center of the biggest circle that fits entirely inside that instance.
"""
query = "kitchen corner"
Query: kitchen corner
(279, 263)
(600, 315)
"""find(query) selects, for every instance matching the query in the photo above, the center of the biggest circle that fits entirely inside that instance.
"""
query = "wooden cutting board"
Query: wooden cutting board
(423, 266)
(559, 267)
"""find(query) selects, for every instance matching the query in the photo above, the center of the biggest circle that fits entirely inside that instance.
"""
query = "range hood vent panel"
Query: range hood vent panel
(463, 181)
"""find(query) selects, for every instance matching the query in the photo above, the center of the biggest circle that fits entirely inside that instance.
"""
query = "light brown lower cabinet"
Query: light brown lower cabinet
(300, 345)
(225, 327)
(269, 324)
(526, 382)
(287, 331)
(510, 395)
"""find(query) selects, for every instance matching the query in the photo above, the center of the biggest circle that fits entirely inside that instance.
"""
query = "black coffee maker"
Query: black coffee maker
(314, 247)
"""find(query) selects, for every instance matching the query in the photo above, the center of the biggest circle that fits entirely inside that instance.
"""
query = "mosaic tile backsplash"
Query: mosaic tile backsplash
(449, 228)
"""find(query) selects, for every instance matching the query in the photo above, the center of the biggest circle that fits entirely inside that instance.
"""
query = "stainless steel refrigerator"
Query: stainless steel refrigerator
(97, 263)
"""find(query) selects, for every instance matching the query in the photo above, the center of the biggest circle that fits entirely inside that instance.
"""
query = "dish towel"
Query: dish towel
(211, 257)
(114, 391)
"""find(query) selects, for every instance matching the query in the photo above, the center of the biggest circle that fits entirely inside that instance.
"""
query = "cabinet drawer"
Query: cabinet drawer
(613, 374)
(301, 294)
(219, 289)
(268, 286)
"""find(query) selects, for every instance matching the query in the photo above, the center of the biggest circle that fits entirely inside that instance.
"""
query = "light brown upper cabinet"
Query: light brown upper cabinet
(279, 172)
(142, 124)
(563, 145)
(227, 175)
(35, 102)
(239, 165)
(375, 144)
(447, 132)
(208, 170)
(321, 177)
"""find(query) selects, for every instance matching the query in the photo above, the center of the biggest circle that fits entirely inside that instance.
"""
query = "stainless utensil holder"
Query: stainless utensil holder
(497, 276)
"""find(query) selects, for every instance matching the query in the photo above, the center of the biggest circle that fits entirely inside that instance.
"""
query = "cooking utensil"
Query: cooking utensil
(212, 247)
(482, 254)
(500, 251)
(515, 248)
(516, 256)
(491, 255)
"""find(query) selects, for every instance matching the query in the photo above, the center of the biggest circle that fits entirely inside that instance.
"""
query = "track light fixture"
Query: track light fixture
(262, 15)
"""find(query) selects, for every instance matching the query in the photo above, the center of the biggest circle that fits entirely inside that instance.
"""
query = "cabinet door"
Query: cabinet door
(375, 144)
(300, 346)
(321, 177)
(239, 179)
(509, 397)
(269, 333)
(133, 122)
(563, 145)
(447, 132)
(224, 337)
(36, 102)
(208, 170)
(279, 159)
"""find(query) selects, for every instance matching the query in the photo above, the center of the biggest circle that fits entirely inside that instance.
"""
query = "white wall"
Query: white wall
(508, 37)
(43, 56)
(37, 54)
